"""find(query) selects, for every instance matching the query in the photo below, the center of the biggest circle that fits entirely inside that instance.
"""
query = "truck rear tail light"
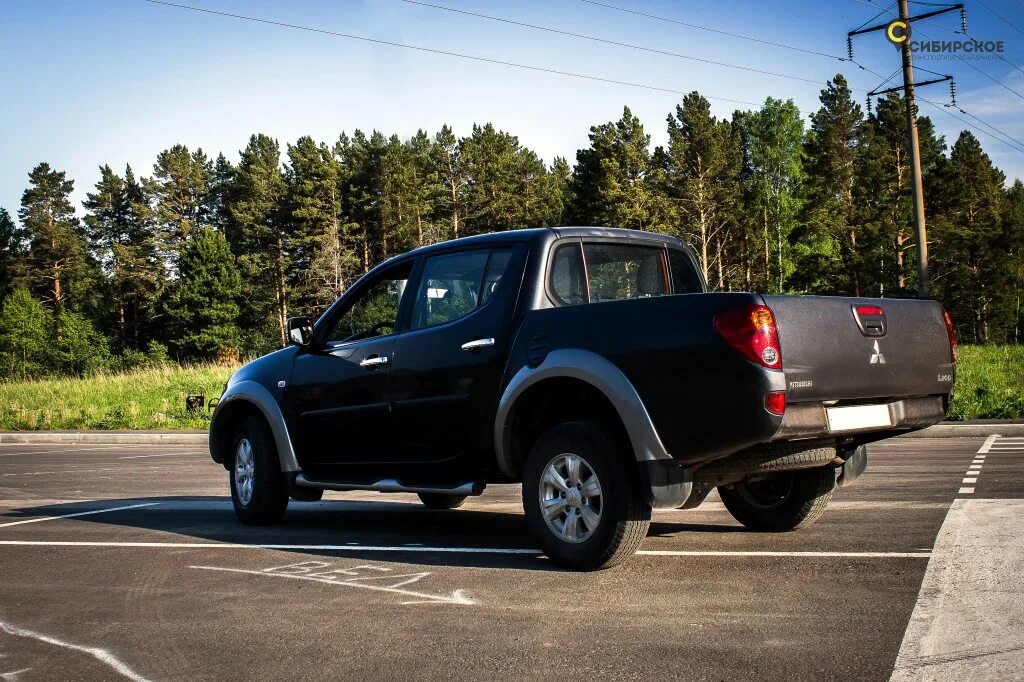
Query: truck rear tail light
(751, 330)
(952, 335)
(869, 310)
(775, 402)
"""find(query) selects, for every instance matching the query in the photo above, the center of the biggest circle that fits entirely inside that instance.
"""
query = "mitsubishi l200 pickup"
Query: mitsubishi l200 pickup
(591, 366)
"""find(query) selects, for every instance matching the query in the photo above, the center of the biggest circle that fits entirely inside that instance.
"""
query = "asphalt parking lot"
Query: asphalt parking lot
(127, 562)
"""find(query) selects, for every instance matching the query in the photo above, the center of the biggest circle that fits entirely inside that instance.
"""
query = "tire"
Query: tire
(617, 507)
(258, 490)
(781, 501)
(442, 501)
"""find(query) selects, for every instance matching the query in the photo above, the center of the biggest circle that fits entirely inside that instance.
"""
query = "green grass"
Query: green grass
(144, 399)
(989, 383)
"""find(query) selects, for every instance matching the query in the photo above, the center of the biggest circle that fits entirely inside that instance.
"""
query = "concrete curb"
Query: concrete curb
(954, 430)
(106, 437)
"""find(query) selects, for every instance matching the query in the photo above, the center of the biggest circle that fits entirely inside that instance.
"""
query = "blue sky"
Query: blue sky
(89, 82)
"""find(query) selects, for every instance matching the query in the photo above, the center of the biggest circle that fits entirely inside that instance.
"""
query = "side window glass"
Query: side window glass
(375, 311)
(495, 269)
(684, 275)
(450, 287)
(618, 271)
(567, 281)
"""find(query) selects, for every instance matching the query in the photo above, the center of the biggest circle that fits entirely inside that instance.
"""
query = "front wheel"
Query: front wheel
(780, 501)
(582, 497)
(258, 490)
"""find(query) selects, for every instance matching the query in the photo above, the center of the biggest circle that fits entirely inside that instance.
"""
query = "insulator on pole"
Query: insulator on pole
(952, 91)
(963, 20)
(849, 48)
(869, 105)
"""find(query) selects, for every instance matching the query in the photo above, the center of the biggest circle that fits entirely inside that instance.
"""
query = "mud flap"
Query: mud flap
(855, 465)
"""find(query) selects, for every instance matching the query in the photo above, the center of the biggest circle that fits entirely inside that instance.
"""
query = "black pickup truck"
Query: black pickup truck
(589, 365)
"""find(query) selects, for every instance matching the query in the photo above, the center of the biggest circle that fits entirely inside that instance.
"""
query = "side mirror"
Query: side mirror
(300, 330)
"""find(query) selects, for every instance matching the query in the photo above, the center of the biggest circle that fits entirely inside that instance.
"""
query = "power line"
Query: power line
(606, 41)
(430, 50)
(713, 30)
(1010, 141)
(1004, 19)
(967, 62)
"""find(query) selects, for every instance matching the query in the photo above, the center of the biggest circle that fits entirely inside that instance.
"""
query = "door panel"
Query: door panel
(448, 366)
(341, 402)
(339, 394)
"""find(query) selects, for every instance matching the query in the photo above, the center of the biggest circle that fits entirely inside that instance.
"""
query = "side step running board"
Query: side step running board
(390, 485)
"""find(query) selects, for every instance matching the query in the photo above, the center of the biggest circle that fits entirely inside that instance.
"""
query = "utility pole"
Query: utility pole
(898, 32)
(915, 157)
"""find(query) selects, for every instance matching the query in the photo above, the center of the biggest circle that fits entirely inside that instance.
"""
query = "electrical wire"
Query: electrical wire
(446, 53)
(713, 30)
(1000, 16)
(616, 43)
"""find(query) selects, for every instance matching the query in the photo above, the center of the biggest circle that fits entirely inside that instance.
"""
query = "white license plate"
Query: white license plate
(857, 417)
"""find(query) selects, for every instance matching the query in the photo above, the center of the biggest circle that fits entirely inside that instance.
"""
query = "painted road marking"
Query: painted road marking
(84, 513)
(966, 623)
(354, 577)
(966, 491)
(99, 654)
(987, 445)
(970, 480)
(448, 550)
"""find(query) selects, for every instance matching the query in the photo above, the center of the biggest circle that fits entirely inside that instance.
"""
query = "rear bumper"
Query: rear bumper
(808, 420)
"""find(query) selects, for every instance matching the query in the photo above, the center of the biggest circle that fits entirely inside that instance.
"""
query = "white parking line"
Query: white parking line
(85, 513)
(448, 550)
(987, 445)
(966, 491)
(99, 654)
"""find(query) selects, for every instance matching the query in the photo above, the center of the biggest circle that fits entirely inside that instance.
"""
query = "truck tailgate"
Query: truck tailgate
(830, 352)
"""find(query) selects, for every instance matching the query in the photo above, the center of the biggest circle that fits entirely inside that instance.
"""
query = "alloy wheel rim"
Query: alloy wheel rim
(571, 499)
(245, 467)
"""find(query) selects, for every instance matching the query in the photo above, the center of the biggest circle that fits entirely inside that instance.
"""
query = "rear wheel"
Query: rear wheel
(582, 497)
(258, 490)
(780, 501)
(441, 501)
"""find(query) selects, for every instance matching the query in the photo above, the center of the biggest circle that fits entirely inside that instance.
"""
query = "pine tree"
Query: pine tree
(826, 244)
(452, 177)
(506, 186)
(11, 252)
(702, 166)
(324, 259)
(202, 305)
(126, 249)
(614, 182)
(971, 255)
(57, 264)
(181, 195)
(261, 237)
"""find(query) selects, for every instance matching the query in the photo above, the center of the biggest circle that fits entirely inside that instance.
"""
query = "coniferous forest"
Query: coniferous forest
(204, 259)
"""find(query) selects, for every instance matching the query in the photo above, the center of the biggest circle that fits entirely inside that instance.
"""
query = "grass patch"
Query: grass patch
(989, 383)
(145, 399)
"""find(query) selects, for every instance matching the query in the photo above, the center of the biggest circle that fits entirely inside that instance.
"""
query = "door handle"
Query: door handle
(477, 344)
(374, 361)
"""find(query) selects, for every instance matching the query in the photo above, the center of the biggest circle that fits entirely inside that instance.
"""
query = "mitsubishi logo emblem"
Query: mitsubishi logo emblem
(876, 356)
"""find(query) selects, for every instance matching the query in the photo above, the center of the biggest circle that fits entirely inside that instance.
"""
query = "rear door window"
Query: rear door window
(618, 271)
(685, 278)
